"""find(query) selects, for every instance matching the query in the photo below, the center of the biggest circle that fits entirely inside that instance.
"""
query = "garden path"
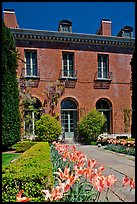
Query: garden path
(114, 163)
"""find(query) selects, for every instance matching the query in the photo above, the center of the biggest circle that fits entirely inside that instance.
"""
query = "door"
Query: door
(68, 120)
(69, 117)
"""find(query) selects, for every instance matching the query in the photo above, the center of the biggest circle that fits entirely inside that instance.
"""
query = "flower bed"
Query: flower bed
(76, 179)
(125, 146)
(121, 149)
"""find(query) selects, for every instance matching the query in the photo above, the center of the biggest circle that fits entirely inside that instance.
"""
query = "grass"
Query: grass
(8, 157)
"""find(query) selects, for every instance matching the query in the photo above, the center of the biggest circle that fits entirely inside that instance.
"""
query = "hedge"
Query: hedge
(22, 146)
(32, 172)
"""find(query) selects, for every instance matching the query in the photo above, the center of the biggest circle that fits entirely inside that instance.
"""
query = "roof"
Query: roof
(71, 37)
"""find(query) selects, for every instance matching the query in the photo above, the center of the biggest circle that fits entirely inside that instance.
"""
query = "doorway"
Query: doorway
(105, 108)
(69, 117)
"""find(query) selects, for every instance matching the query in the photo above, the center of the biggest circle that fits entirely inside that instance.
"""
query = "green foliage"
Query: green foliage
(47, 128)
(127, 116)
(93, 143)
(91, 126)
(130, 139)
(121, 137)
(10, 99)
(7, 157)
(22, 146)
(32, 172)
(121, 149)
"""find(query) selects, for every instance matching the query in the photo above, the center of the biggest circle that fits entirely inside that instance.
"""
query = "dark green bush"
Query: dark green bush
(22, 146)
(10, 92)
(47, 128)
(121, 137)
(32, 172)
(91, 126)
(121, 149)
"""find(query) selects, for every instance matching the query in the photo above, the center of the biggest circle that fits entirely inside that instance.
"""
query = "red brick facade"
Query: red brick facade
(88, 89)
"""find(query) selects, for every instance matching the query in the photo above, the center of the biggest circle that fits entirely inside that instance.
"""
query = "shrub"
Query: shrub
(10, 92)
(47, 128)
(93, 143)
(121, 137)
(22, 146)
(121, 149)
(91, 126)
(32, 172)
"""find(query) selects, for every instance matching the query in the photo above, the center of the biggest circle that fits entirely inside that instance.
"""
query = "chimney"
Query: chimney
(126, 31)
(65, 26)
(10, 18)
(105, 28)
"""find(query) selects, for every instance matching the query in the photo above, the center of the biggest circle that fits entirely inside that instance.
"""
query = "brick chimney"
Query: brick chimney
(105, 28)
(10, 18)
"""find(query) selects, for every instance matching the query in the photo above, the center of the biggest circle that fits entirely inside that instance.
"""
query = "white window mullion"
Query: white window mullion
(68, 121)
(33, 121)
(68, 65)
(101, 66)
(31, 65)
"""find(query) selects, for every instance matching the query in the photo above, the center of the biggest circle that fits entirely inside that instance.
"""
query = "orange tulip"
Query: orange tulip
(99, 183)
(126, 181)
(22, 199)
(64, 175)
(129, 182)
(110, 180)
(132, 183)
(92, 163)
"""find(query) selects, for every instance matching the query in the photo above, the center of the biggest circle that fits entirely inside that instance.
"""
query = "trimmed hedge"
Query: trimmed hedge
(22, 146)
(32, 172)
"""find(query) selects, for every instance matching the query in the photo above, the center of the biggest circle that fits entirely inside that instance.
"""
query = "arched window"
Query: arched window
(32, 113)
(68, 104)
(69, 117)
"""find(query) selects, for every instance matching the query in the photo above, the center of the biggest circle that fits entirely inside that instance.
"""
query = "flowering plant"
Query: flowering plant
(77, 179)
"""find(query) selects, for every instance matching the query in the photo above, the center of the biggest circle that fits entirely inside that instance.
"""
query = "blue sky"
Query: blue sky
(85, 16)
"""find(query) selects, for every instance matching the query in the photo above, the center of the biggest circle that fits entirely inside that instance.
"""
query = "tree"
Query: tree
(10, 92)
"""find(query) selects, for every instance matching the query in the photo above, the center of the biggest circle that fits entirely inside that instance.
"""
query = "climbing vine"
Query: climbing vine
(53, 91)
(127, 116)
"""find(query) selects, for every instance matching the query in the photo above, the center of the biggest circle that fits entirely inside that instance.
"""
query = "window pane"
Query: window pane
(68, 65)
(102, 66)
(105, 62)
(31, 63)
(99, 61)
(68, 104)
(99, 73)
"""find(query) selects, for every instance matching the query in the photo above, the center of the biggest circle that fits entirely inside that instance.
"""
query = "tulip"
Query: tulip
(22, 199)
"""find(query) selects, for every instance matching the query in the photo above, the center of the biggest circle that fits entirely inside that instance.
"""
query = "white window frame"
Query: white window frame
(68, 66)
(103, 69)
(31, 63)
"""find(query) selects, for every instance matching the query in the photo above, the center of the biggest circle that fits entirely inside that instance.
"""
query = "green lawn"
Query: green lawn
(7, 157)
